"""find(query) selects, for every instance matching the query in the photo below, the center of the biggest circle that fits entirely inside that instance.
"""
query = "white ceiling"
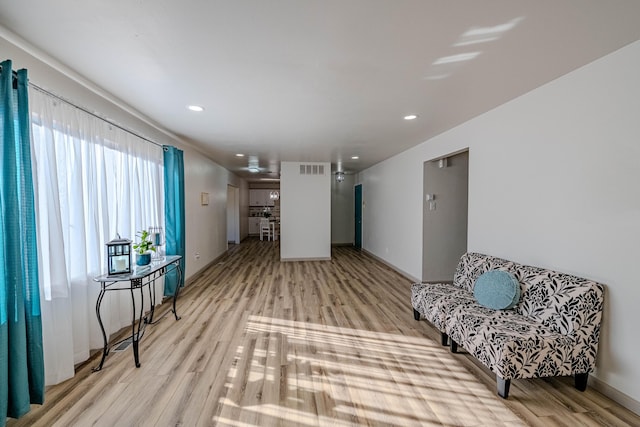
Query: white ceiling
(319, 80)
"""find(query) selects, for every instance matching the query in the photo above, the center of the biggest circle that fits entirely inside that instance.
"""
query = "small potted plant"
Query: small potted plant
(143, 248)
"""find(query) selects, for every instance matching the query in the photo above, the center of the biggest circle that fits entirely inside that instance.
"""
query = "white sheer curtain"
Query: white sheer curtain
(92, 181)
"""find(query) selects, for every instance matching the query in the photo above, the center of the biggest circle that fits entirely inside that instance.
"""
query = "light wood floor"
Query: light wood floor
(265, 343)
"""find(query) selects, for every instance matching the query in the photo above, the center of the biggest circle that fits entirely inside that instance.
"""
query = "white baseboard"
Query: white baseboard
(614, 394)
(197, 274)
(391, 266)
(304, 259)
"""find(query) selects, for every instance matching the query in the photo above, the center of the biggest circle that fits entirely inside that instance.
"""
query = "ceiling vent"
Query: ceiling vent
(311, 169)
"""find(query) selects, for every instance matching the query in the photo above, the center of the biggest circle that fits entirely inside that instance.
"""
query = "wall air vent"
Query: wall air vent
(311, 169)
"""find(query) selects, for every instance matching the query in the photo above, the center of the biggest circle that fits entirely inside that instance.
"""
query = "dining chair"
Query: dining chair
(265, 228)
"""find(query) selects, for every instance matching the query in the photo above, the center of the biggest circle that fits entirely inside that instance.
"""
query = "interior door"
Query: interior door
(358, 216)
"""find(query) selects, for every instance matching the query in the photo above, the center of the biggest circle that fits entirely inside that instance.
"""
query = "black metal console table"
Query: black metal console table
(141, 277)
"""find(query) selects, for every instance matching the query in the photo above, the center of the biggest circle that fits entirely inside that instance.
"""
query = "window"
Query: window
(93, 181)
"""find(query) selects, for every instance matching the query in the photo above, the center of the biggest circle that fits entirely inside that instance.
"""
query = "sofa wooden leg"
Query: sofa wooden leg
(444, 339)
(581, 381)
(503, 387)
(416, 314)
(454, 346)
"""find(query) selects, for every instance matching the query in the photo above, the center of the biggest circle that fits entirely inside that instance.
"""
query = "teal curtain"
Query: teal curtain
(174, 213)
(21, 356)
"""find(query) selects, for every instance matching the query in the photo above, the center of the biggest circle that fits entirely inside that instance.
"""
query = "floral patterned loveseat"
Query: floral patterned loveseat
(552, 331)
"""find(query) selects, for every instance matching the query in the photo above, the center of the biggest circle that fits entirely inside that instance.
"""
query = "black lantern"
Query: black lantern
(119, 257)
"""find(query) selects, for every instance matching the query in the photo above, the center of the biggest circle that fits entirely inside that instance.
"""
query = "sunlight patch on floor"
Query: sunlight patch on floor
(299, 373)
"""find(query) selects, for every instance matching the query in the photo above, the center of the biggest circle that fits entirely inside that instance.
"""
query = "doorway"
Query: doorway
(233, 215)
(357, 241)
(444, 218)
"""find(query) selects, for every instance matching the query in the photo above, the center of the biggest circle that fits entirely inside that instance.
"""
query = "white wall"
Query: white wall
(342, 210)
(553, 182)
(305, 213)
(392, 212)
(205, 225)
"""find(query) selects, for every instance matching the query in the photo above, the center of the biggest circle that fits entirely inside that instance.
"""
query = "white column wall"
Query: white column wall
(553, 182)
(305, 213)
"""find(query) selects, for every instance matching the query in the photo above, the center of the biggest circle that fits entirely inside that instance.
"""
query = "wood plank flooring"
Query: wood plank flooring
(266, 343)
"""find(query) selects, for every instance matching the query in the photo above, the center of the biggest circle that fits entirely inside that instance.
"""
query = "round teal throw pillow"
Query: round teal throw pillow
(497, 289)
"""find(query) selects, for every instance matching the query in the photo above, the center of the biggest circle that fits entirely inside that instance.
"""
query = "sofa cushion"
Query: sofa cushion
(473, 264)
(558, 299)
(496, 289)
(434, 300)
(511, 345)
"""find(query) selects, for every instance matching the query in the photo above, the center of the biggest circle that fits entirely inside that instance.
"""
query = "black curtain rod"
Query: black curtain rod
(58, 97)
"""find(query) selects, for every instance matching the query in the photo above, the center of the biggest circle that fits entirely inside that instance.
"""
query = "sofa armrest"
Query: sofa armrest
(566, 304)
(586, 316)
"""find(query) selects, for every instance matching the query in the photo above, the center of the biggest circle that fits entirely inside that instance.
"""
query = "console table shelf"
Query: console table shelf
(140, 278)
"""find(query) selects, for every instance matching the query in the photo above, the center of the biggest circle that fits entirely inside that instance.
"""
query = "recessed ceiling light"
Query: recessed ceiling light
(254, 170)
(239, 155)
(410, 117)
(355, 157)
(195, 108)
